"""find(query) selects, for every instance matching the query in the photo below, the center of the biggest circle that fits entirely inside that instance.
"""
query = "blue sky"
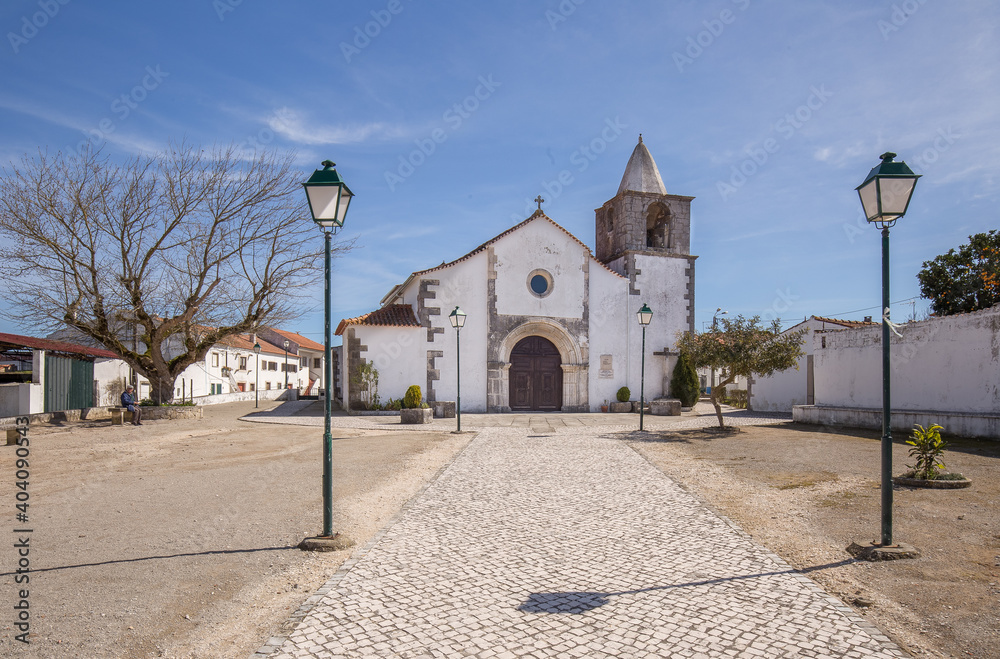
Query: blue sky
(447, 118)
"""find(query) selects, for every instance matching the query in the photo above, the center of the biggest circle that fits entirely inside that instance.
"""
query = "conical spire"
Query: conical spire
(641, 174)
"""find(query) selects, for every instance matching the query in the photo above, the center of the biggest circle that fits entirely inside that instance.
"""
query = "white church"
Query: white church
(550, 325)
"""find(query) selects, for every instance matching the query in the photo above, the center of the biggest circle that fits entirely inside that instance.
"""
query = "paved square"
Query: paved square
(569, 544)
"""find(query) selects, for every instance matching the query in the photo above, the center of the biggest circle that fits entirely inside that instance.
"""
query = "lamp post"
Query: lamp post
(329, 198)
(645, 314)
(286, 364)
(718, 312)
(457, 318)
(256, 375)
(885, 195)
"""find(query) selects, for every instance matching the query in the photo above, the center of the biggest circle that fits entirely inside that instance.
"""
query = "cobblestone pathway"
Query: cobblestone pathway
(569, 544)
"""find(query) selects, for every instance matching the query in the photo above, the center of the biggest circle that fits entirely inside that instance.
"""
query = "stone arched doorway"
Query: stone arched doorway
(535, 376)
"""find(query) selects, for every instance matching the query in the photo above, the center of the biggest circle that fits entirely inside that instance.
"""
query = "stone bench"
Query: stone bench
(665, 407)
(119, 416)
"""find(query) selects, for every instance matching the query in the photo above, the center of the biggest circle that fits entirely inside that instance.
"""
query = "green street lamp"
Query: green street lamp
(645, 314)
(256, 375)
(885, 195)
(457, 319)
(329, 198)
(286, 364)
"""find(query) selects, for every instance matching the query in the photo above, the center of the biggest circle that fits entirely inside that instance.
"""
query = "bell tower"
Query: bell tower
(642, 217)
(644, 234)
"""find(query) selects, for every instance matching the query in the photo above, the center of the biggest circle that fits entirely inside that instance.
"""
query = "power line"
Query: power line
(845, 313)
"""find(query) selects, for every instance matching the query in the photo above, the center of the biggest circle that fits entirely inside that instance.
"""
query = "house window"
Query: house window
(243, 363)
(272, 366)
(317, 362)
(267, 385)
(215, 359)
(253, 387)
(303, 362)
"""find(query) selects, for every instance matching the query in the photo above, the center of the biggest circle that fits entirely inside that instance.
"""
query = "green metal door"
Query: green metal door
(69, 383)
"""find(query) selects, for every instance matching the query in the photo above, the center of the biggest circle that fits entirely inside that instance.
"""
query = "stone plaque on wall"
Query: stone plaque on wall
(607, 372)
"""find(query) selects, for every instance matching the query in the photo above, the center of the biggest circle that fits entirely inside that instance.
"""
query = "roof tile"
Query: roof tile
(391, 315)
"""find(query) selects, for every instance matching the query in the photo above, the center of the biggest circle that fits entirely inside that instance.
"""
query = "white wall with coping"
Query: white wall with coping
(902, 421)
(950, 363)
(942, 366)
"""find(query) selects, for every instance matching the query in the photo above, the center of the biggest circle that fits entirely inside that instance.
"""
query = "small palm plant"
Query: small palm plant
(927, 447)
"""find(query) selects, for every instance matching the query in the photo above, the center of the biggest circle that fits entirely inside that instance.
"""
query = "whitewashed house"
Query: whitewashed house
(797, 386)
(232, 366)
(550, 325)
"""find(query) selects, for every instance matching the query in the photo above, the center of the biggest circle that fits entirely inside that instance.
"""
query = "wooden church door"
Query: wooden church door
(535, 375)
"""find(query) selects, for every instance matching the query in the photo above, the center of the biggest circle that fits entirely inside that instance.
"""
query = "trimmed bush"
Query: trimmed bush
(412, 397)
(624, 395)
(684, 384)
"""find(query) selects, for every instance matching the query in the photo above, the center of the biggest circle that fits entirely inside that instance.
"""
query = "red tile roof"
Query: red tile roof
(391, 315)
(19, 341)
(845, 323)
(303, 342)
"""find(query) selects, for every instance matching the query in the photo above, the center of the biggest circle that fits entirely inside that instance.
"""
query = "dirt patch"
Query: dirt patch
(178, 538)
(807, 494)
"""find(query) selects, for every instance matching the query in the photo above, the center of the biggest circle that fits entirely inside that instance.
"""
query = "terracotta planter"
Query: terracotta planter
(604, 408)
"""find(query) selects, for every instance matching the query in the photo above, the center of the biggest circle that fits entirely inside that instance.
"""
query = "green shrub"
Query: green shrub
(736, 398)
(928, 447)
(393, 405)
(624, 395)
(684, 384)
(412, 397)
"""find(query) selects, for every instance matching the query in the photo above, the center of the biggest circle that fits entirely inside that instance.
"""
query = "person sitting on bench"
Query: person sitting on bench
(129, 403)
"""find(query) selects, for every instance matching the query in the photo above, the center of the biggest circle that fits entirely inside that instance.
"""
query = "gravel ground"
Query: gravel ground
(807, 494)
(177, 538)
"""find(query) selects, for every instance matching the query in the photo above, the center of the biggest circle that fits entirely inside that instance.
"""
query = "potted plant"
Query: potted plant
(604, 405)
(414, 410)
(623, 404)
(927, 447)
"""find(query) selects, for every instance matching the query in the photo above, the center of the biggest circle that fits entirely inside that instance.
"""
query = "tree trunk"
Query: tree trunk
(717, 392)
(718, 406)
(161, 388)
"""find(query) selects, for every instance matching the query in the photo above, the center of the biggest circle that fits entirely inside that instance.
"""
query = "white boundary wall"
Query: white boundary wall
(943, 370)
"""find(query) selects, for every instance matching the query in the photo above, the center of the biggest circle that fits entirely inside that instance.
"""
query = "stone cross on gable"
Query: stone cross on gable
(539, 200)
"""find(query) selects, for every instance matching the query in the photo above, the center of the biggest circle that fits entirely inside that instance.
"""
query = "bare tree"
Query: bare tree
(160, 257)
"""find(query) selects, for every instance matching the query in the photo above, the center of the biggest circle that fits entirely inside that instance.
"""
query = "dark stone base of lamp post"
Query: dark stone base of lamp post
(335, 542)
(873, 551)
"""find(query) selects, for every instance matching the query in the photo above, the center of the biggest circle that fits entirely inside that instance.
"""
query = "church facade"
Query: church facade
(550, 325)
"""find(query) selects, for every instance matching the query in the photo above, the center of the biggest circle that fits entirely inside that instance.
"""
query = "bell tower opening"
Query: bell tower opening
(658, 226)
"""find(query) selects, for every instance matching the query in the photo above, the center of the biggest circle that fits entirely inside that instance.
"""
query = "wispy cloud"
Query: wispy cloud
(292, 125)
(412, 233)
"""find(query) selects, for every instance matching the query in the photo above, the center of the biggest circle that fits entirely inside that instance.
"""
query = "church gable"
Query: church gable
(540, 270)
